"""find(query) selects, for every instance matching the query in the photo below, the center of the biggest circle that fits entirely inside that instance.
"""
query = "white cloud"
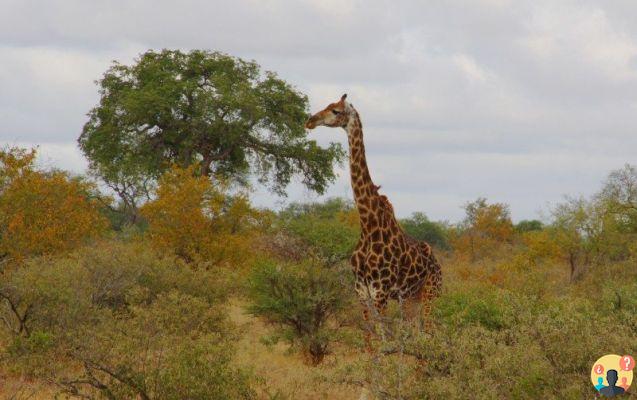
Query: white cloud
(470, 68)
(65, 156)
(518, 101)
(584, 34)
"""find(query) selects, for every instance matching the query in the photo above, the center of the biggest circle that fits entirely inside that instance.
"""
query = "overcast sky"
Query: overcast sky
(521, 102)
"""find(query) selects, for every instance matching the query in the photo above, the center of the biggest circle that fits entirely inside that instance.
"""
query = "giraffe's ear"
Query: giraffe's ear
(343, 97)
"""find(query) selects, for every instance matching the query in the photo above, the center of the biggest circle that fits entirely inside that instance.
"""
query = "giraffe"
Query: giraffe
(387, 263)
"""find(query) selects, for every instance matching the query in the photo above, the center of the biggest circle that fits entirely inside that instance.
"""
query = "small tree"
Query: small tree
(420, 227)
(300, 299)
(584, 232)
(618, 197)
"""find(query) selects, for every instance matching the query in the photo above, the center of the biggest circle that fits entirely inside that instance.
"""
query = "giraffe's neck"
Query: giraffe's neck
(365, 192)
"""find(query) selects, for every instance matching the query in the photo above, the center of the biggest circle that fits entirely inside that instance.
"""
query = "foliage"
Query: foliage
(206, 108)
(420, 227)
(143, 320)
(576, 232)
(197, 221)
(43, 212)
(175, 348)
(589, 232)
(492, 342)
(300, 299)
(619, 194)
(618, 198)
(330, 228)
(123, 323)
(529, 226)
(484, 229)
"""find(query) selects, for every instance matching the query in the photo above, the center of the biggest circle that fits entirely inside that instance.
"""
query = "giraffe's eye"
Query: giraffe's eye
(335, 112)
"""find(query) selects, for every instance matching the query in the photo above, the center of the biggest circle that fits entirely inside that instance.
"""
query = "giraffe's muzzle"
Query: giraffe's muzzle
(311, 123)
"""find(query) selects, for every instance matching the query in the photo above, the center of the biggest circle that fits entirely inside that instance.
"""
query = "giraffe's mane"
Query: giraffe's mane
(384, 200)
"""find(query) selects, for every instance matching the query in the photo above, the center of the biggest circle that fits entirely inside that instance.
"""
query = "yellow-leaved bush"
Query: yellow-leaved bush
(198, 221)
(43, 212)
(486, 228)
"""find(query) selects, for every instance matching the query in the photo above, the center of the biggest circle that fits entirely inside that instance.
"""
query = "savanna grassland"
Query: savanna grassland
(154, 276)
(206, 297)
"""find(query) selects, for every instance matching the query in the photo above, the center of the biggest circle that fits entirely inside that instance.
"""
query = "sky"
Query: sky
(521, 102)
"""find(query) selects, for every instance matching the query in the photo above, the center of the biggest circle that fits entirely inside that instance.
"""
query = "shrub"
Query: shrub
(485, 228)
(197, 221)
(300, 299)
(330, 228)
(176, 348)
(122, 322)
(488, 344)
(474, 306)
(43, 212)
(420, 227)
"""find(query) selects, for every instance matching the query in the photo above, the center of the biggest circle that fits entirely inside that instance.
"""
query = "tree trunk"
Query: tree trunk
(573, 265)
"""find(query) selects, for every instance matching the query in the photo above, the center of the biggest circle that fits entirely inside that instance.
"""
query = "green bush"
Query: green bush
(420, 227)
(178, 347)
(475, 305)
(527, 225)
(330, 228)
(121, 322)
(300, 300)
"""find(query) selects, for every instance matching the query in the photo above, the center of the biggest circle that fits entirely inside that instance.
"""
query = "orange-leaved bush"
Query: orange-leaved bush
(198, 221)
(43, 212)
(486, 227)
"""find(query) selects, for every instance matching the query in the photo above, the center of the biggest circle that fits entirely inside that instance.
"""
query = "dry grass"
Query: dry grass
(12, 388)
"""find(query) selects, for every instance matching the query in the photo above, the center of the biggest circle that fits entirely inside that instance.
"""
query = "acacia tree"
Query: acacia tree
(204, 108)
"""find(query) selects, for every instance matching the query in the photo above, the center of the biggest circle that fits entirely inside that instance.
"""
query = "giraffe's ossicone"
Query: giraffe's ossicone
(387, 263)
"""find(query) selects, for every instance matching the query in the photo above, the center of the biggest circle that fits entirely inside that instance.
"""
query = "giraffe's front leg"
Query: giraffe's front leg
(373, 316)
(374, 305)
(367, 304)
(429, 291)
(368, 329)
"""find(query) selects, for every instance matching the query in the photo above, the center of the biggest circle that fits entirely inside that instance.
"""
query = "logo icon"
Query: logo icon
(612, 374)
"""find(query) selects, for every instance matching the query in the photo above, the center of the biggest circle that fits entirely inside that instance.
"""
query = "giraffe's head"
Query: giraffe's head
(334, 115)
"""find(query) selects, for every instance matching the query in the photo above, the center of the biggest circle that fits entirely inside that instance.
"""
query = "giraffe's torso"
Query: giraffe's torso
(387, 263)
